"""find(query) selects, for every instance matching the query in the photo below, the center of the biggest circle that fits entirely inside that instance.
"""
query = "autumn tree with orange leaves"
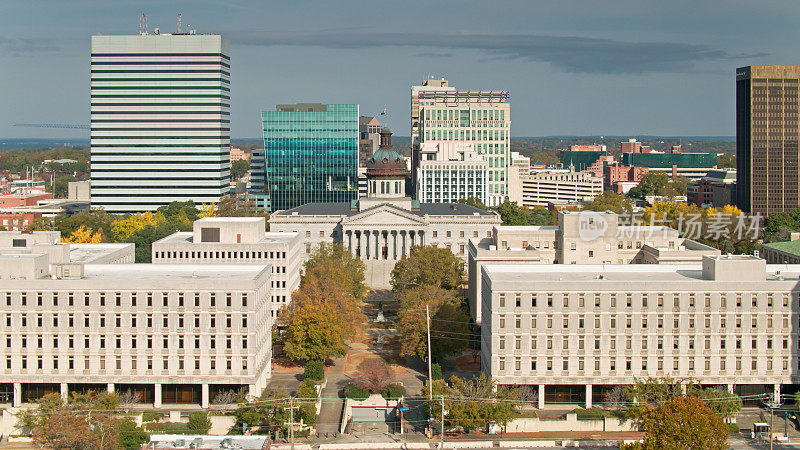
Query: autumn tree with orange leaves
(681, 422)
(325, 312)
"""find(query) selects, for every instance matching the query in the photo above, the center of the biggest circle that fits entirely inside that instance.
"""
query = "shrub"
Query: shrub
(199, 422)
(436, 371)
(314, 370)
(733, 428)
(394, 391)
(354, 392)
(152, 416)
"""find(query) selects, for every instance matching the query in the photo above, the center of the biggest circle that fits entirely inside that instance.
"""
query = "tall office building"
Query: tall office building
(767, 152)
(160, 120)
(480, 118)
(428, 86)
(310, 155)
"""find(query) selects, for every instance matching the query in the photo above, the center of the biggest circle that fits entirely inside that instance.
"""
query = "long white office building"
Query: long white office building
(576, 331)
(171, 333)
(160, 120)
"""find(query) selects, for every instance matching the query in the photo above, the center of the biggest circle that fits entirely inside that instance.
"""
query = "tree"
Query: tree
(651, 184)
(725, 404)
(327, 255)
(239, 168)
(449, 323)
(685, 423)
(199, 423)
(615, 398)
(314, 333)
(513, 214)
(651, 392)
(610, 201)
(474, 201)
(238, 205)
(427, 265)
(40, 224)
(373, 375)
(129, 399)
(131, 437)
(84, 235)
(474, 403)
(726, 160)
(66, 429)
(307, 393)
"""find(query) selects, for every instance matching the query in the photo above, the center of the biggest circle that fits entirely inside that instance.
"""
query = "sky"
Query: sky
(572, 67)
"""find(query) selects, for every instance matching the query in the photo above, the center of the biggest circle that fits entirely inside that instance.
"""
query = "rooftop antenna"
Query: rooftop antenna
(179, 23)
(143, 30)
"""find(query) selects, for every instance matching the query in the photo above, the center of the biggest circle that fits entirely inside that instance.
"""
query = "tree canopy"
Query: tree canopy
(513, 214)
(473, 403)
(239, 168)
(610, 201)
(427, 265)
(449, 322)
(683, 422)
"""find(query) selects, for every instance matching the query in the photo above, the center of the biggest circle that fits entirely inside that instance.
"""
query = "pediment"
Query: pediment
(384, 215)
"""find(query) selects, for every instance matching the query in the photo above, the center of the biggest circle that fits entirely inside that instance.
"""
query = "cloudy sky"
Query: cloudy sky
(573, 67)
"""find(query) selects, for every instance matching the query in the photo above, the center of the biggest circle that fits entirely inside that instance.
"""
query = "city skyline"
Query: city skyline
(586, 73)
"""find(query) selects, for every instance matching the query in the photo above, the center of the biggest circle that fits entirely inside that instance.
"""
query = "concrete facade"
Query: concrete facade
(586, 237)
(728, 321)
(238, 240)
(539, 189)
(171, 333)
(450, 171)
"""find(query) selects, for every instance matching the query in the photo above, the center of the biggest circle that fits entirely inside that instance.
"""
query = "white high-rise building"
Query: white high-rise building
(480, 118)
(160, 120)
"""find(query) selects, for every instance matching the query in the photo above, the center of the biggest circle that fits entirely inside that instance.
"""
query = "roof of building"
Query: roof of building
(86, 253)
(790, 247)
(344, 209)
(227, 272)
(634, 273)
(187, 237)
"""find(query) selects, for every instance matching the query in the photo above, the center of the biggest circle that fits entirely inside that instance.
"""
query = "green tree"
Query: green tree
(651, 184)
(199, 422)
(331, 253)
(610, 201)
(238, 205)
(307, 393)
(474, 201)
(449, 323)
(473, 403)
(239, 168)
(725, 404)
(683, 423)
(131, 437)
(651, 391)
(726, 161)
(428, 265)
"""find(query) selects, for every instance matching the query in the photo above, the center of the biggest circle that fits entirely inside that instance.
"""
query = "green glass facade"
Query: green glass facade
(310, 155)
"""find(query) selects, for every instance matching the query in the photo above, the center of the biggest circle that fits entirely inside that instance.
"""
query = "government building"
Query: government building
(382, 227)
(82, 318)
(576, 331)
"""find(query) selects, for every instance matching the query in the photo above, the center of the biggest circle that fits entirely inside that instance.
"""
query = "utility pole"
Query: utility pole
(430, 372)
(291, 421)
(441, 442)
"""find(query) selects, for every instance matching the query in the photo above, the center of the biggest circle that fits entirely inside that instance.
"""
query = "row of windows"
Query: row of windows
(119, 342)
(223, 254)
(676, 322)
(643, 299)
(466, 135)
(101, 321)
(132, 298)
(628, 364)
(168, 363)
(610, 343)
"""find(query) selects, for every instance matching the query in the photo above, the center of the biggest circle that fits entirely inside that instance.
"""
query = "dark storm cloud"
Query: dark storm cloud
(569, 53)
(434, 55)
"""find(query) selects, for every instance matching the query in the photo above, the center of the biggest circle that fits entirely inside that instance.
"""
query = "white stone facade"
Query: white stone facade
(238, 240)
(539, 189)
(172, 333)
(580, 238)
(730, 321)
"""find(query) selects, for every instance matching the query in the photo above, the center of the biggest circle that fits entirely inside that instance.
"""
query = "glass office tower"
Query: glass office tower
(310, 155)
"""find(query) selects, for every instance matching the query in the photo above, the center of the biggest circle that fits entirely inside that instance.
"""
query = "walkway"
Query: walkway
(332, 403)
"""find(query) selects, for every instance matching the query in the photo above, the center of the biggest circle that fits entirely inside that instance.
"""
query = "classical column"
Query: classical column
(377, 244)
(541, 396)
(394, 245)
(365, 238)
(204, 396)
(421, 237)
(157, 396)
(588, 396)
